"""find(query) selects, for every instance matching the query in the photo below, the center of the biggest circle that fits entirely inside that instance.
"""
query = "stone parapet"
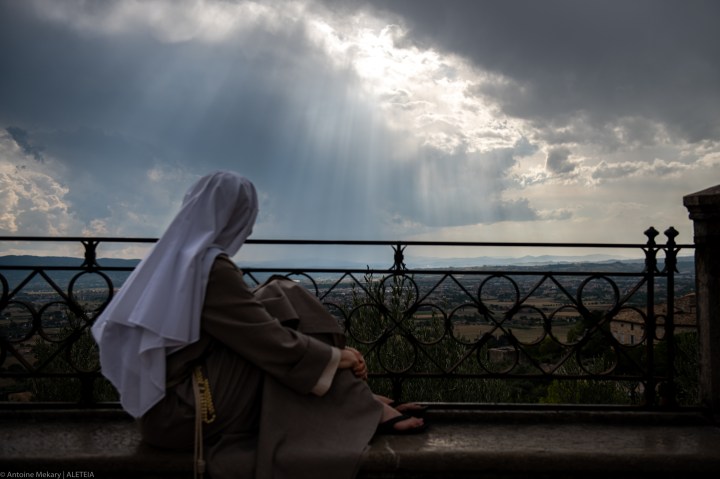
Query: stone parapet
(459, 444)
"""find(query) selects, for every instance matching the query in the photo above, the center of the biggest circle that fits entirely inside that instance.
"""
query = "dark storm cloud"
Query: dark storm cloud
(593, 60)
(81, 97)
(110, 108)
(129, 108)
(105, 168)
(558, 161)
(54, 76)
(22, 139)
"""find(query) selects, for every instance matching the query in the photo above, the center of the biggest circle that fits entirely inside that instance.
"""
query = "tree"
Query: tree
(78, 356)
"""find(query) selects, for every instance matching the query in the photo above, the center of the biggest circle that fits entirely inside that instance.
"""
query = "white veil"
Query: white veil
(158, 308)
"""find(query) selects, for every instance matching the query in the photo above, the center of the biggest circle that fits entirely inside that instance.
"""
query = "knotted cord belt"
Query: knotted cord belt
(204, 413)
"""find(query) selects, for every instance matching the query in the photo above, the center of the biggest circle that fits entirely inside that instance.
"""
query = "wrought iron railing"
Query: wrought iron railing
(602, 333)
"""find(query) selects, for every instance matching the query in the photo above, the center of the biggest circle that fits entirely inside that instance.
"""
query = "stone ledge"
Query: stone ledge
(459, 444)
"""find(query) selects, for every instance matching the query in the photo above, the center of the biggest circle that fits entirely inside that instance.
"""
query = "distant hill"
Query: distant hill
(61, 277)
(684, 265)
(62, 261)
(508, 261)
(543, 261)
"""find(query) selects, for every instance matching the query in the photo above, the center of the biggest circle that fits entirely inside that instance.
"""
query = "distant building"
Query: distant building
(628, 326)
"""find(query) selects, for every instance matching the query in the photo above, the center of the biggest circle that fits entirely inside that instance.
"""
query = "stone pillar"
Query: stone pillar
(704, 208)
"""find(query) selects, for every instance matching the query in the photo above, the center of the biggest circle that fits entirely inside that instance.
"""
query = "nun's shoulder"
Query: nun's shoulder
(223, 263)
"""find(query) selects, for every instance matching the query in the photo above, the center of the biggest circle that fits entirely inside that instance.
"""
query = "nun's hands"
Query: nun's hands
(360, 370)
(351, 358)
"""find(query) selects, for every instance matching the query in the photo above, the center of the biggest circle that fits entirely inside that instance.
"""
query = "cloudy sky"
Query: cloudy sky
(520, 120)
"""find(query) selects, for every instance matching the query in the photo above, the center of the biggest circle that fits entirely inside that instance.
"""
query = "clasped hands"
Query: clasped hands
(351, 358)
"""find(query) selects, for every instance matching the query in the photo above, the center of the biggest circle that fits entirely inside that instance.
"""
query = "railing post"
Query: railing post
(651, 321)
(704, 208)
(668, 388)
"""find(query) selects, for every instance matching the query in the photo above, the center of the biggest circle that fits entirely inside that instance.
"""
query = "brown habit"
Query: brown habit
(269, 424)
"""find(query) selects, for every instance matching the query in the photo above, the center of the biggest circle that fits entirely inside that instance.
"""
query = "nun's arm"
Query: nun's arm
(233, 316)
